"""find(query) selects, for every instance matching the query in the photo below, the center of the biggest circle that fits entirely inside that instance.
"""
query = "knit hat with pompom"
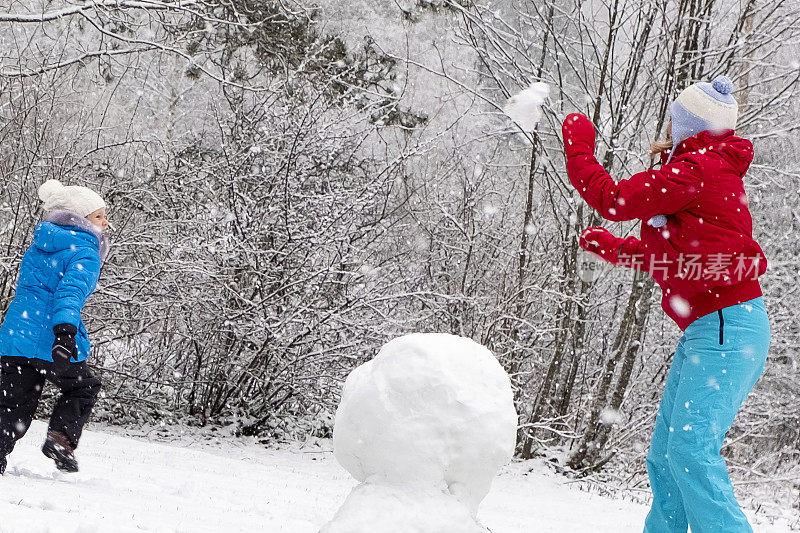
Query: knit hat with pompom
(704, 106)
(73, 198)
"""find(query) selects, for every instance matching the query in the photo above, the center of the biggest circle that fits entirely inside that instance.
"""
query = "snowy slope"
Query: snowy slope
(134, 485)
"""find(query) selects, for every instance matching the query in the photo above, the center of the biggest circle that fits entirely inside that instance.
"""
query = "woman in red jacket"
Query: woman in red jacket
(696, 241)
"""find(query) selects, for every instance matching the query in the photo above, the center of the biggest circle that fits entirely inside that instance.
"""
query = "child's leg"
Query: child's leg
(724, 358)
(79, 390)
(666, 513)
(20, 389)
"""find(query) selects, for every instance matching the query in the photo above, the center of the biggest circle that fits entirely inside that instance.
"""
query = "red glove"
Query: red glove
(579, 135)
(601, 243)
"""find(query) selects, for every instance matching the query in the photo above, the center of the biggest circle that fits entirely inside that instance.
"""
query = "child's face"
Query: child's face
(98, 218)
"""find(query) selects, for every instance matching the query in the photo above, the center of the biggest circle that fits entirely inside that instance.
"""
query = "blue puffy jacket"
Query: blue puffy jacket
(58, 273)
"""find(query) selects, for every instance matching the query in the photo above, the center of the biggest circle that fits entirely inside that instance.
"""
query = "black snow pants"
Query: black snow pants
(21, 383)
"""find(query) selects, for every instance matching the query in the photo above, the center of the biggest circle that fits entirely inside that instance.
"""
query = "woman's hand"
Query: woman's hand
(600, 242)
(579, 135)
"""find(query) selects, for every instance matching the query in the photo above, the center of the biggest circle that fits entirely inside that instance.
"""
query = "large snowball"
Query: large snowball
(431, 410)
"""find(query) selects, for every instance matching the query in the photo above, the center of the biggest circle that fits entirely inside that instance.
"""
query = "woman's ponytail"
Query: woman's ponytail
(656, 147)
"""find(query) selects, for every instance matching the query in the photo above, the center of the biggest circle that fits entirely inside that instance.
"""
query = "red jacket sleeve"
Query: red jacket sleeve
(601, 243)
(643, 195)
(632, 254)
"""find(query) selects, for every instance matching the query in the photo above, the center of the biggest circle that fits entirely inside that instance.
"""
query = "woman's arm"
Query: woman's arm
(646, 194)
(629, 252)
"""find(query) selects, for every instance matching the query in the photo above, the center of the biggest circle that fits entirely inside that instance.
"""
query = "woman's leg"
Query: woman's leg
(21, 385)
(666, 513)
(79, 390)
(725, 355)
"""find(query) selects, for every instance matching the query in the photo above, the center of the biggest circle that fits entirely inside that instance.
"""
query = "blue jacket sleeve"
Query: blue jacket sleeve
(79, 281)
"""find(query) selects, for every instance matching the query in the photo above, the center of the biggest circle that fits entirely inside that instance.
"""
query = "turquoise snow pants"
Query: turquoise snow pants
(718, 360)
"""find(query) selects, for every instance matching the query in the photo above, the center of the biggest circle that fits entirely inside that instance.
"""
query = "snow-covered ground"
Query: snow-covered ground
(128, 484)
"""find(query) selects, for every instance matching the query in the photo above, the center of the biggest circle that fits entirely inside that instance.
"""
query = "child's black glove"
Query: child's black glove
(64, 347)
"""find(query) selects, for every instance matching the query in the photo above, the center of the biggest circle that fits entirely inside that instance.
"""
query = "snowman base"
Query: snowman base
(390, 508)
(424, 426)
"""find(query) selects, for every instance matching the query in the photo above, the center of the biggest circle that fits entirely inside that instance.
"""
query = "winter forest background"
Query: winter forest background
(293, 184)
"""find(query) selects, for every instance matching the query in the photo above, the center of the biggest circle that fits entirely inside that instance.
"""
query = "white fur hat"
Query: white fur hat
(73, 198)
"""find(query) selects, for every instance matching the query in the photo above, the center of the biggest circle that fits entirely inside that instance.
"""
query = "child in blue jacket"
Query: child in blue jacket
(43, 336)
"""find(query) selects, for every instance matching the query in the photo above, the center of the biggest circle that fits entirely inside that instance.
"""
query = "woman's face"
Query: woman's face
(669, 129)
(98, 218)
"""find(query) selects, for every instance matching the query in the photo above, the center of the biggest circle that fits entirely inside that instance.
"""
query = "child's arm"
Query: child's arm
(646, 194)
(79, 281)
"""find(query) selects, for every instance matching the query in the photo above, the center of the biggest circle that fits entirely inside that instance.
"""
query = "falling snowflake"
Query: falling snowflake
(680, 306)
(609, 417)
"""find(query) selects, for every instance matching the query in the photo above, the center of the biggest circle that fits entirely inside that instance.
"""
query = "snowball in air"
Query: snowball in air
(525, 107)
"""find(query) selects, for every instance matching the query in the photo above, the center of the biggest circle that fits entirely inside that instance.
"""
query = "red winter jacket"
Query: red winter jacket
(705, 257)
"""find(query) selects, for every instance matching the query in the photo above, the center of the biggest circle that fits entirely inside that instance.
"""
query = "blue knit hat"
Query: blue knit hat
(700, 107)
(703, 106)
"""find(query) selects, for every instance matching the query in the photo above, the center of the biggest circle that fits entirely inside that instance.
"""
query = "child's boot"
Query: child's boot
(3, 464)
(58, 448)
